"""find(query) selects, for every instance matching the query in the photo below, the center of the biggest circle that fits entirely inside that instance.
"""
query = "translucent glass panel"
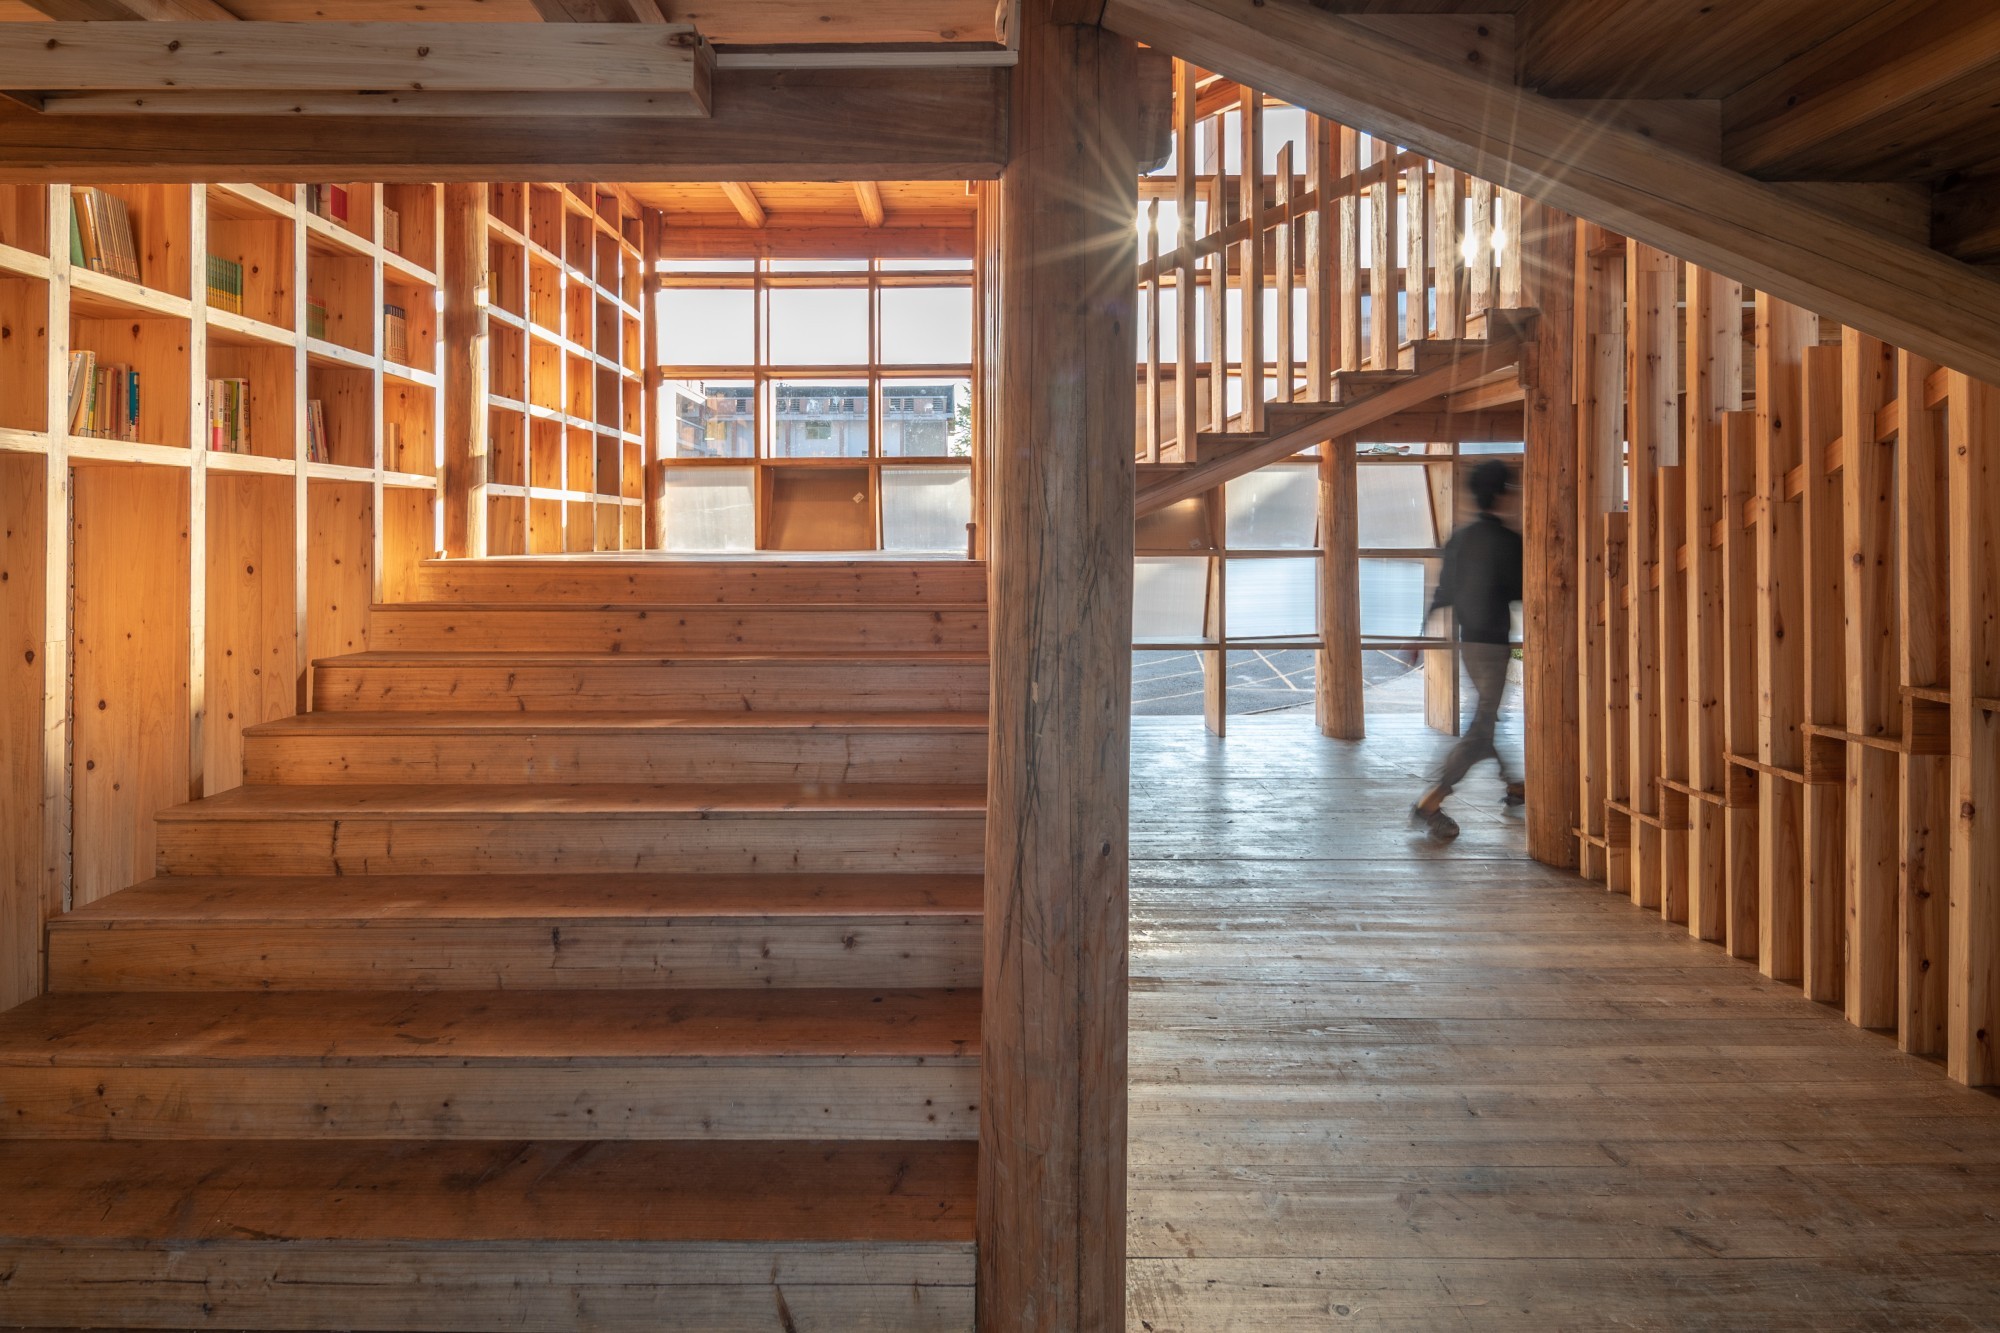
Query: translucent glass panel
(713, 419)
(927, 418)
(819, 419)
(926, 326)
(819, 326)
(1393, 502)
(1394, 596)
(711, 509)
(1273, 509)
(708, 326)
(707, 265)
(816, 265)
(1169, 598)
(924, 265)
(1271, 598)
(926, 509)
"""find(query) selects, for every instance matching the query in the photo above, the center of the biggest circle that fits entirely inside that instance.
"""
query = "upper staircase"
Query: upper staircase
(1428, 370)
(602, 951)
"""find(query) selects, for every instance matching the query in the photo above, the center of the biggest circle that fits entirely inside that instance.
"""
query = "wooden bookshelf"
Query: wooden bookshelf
(566, 384)
(166, 596)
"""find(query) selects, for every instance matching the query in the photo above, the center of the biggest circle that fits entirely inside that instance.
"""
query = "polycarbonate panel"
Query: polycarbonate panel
(1394, 597)
(1272, 598)
(1393, 502)
(1273, 509)
(926, 509)
(707, 326)
(926, 326)
(1169, 598)
(711, 509)
(818, 326)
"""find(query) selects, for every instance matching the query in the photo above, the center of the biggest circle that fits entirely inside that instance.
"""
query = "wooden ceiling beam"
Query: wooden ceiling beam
(1699, 210)
(1965, 219)
(869, 196)
(748, 206)
(599, 11)
(1878, 82)
(772, 125)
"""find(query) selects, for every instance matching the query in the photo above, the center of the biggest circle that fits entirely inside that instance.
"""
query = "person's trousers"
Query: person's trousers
(1486, 663)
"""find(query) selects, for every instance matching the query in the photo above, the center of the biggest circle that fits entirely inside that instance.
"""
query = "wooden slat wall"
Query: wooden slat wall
(1789, 621)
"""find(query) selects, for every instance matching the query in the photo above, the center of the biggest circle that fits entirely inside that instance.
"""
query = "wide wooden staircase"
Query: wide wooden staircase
(1435, 376)
(601, 952)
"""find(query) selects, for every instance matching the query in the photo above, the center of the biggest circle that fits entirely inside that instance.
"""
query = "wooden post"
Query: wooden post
(1823, 972)
(1337, 685)
(660, 434)
(465, 473)
(1782, 333)
(1652, 286)
(1549, 519)
(1739, 689)
(1383, 323)
(1867, 476)
(1250, 181)
(1923, 779)
(1600, 393)
(1186, 288)
(1052, 1110)
(1974, 967)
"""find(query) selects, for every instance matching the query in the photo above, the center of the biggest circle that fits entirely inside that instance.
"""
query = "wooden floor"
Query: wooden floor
(1382, 1084)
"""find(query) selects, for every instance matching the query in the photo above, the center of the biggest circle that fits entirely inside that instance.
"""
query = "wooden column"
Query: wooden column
(1337, 685)
(1782, 333)
(465, 473)
(1823, 972)
(660, 433)
(1923, 766)
(1052, 1114)
(1867, 482)
(1739, 688)
(1600, 393)
(1974, 967)
(1652, 285)
(1549, 518)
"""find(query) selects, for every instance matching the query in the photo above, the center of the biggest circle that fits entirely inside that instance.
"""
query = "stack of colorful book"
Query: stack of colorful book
(328, 201)
(395, 334)
(229, 416)
(103, 400)
(225, 285)
(316, 447)
(100, 233)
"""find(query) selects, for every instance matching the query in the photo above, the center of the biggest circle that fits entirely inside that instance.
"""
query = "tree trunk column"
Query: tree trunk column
(1052, 1136)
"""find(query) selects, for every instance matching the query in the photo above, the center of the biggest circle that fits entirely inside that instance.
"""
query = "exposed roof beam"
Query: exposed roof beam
(1965, 219)
(99, 11)
(775, 125)
(1699, 210)
(869, 195)
(1869, 80)
(748, 206)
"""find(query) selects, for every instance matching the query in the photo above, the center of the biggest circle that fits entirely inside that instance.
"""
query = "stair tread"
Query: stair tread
(441, 1192)
(390, 901)
(500, 1027)
(513, 720)
(595, 799)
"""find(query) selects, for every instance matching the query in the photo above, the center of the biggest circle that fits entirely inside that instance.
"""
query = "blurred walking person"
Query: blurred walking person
(1480, 583)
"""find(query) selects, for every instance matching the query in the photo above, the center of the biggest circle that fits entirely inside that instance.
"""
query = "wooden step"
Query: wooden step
(556, 682)
(651, 577)
(486, 1236)
(368, 829)
(509, 747)
(501, 1064)
(659, 628)
(538, 932)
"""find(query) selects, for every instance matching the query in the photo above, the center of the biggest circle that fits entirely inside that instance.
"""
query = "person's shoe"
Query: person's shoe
(1442, 827)
(1516, 795)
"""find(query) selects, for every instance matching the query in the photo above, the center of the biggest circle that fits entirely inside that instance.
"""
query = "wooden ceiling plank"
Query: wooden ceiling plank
(815, 125)
(343, 57)
(1941, 309)
(1965, 219)
(599, 11)
(869, 196)
(670, 106)
(748, 207)
(100, 11)
(1794, 121)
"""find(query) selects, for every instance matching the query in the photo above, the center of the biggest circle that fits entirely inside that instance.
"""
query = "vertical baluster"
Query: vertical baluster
(1348, 168)
(1185, 299)
(1382, 286)
(1479, 250)
(1416, 255)
(1218, 282)
(1322, 333)
(1447, 263)
(1152, 252)
(1252, 186)
(1283, 261)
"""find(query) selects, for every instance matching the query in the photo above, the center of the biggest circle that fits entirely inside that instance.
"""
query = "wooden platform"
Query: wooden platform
(1378, 1084)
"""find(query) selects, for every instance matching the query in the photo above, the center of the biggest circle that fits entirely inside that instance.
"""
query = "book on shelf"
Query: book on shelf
(392, 229)
(328, 201)
(100, 236)
(316, 447)
(225, 285)
(229, 416)
(103, 399)
(315, 318)
(395, 334)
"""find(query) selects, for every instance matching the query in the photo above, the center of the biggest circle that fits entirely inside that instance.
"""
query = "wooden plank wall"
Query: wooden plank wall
(1788, 635)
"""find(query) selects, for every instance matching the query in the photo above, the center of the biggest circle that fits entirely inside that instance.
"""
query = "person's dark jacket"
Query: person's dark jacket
(1481, 579)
